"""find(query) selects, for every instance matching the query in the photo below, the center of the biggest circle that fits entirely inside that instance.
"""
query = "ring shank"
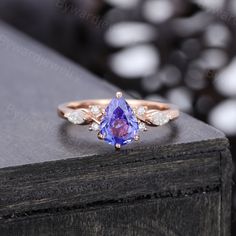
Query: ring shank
(85, 104)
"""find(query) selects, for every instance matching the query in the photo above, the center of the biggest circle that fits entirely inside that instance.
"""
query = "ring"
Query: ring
(117, 121)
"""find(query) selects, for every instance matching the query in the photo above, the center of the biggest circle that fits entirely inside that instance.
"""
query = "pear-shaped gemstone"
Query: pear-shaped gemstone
(119, 124)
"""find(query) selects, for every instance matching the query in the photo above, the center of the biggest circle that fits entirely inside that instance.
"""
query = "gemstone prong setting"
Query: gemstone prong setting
(117, 146)
(119, 123)
(100, 136)
(119, 95)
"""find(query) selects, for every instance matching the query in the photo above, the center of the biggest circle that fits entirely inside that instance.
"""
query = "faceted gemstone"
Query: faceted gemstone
(119, 127)
(119, 124)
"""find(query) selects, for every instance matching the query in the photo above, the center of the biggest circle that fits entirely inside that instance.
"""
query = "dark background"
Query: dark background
(181, 50)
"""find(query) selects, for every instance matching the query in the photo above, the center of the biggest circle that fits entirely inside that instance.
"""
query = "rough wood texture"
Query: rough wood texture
(191, 215)
(175, 181)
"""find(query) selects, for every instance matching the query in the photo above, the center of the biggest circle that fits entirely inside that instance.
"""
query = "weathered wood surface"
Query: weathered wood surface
(64, 184)
(175, 180)
(186, 216)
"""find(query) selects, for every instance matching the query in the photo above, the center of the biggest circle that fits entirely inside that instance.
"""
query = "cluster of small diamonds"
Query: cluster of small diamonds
(78, 117)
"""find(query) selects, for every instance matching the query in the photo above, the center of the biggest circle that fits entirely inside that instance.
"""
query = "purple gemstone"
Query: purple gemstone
(119, 124)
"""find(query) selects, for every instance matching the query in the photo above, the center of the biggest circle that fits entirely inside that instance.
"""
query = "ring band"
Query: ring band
(118, 121)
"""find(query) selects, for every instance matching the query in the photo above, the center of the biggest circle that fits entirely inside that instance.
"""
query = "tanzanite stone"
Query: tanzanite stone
(119, 124)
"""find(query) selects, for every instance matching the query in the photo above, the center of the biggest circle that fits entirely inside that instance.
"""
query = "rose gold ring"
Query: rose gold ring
(118, 121)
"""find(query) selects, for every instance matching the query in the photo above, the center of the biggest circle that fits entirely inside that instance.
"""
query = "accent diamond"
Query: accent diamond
(160, 118)
(94, 126)
(142, 126)
(119, 125)
(95, 110)
(76, 117)
(141, 111)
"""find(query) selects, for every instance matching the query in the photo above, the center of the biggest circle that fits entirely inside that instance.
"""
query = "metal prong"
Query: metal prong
(100, 136)
(90, 128)
(117, 146)
(136, 137)
(119, 94)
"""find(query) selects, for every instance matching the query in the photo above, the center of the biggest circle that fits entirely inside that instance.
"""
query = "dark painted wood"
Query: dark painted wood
(83, 185)
(191, 215)
(58, 179)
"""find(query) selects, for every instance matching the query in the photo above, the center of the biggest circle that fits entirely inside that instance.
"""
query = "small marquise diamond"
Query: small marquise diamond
(76, 117)
(160, 118)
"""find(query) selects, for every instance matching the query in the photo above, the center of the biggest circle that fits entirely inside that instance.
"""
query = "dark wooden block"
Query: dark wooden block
(57, 179)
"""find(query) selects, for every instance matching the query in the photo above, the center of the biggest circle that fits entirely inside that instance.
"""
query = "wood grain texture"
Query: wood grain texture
(226, 192)
(175, 181)
(75, 185)
(186, 216)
